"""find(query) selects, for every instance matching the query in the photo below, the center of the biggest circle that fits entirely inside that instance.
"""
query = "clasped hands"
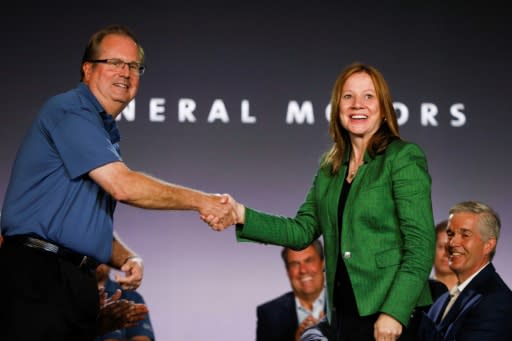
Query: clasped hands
(308, 322)
(220, 211)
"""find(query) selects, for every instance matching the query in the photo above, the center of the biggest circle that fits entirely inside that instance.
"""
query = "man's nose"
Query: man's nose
(125, 69)
(453, 240)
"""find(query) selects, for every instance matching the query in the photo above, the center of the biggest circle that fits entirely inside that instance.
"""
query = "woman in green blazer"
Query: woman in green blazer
(371, 201)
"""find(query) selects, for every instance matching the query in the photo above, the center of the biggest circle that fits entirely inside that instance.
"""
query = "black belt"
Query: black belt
(79, 260)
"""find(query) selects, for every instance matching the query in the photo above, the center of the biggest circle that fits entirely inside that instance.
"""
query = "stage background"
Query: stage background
(203, 285)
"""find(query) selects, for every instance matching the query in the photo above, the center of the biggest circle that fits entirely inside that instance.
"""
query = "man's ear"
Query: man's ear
(87, 69)
(489, 246)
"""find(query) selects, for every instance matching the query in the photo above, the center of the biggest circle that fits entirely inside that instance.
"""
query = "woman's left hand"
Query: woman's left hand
(386, 328)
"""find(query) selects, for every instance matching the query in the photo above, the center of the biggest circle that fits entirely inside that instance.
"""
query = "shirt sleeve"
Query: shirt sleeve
(83, 145)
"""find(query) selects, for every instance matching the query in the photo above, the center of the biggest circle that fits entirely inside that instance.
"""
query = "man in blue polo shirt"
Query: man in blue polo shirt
(57, 217)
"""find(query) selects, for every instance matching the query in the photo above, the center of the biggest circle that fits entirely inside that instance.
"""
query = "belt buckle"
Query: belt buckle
(83, 262)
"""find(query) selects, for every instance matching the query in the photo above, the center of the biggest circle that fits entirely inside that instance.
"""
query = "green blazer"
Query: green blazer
(388, 236)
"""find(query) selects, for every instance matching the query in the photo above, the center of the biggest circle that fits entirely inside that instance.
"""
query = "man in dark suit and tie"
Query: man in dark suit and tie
(479, 307)
(287, 316)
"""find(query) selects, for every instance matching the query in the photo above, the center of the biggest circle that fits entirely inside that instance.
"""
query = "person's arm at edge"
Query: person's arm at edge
(144, 191)
(126, 260)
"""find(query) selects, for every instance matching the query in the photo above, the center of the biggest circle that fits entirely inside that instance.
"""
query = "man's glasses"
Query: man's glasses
(118, 64)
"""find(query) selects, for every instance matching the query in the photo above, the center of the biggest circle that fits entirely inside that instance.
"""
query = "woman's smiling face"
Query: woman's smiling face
(359, 106)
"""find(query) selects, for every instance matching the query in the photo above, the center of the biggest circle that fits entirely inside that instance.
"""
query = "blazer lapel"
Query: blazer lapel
(466, 300)
(436, 310)
(470, 296)
(333, 198)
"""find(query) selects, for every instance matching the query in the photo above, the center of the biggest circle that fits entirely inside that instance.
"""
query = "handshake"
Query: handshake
(220, 211)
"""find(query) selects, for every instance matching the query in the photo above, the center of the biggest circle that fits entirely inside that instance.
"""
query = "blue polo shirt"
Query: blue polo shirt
(50, 193)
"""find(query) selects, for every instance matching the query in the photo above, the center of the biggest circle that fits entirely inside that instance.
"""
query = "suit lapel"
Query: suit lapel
(334, 200)
(289, 309)
(471, 295)
(335, 191)
(436, 311)
(468, 298)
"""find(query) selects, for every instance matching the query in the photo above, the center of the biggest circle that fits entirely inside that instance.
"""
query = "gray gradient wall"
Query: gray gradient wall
(215, 67)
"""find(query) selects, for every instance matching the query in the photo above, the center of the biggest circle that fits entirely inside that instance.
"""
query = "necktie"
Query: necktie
(454, 293)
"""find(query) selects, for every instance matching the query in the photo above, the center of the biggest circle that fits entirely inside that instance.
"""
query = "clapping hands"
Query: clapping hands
(116, 313)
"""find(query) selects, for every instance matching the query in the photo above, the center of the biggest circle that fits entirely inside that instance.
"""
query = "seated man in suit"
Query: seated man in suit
(286, 317)
(479, 307)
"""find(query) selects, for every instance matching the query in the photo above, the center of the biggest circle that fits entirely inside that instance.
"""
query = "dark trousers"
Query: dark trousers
(347, 324)
(45, 297)
(355, 328)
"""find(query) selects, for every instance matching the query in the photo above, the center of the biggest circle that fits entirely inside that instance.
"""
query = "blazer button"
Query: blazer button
(347, 254)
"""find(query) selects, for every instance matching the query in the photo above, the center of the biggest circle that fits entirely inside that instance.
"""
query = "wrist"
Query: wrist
(135, 258)
(240, 214)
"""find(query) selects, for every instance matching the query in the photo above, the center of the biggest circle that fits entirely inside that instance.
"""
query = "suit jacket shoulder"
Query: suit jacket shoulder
(437, 288)
(277, 319)
(286, 299)
(490, 318)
